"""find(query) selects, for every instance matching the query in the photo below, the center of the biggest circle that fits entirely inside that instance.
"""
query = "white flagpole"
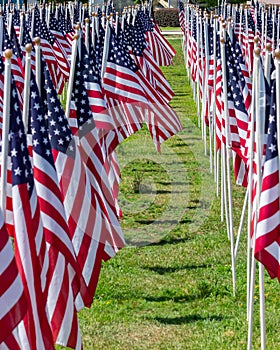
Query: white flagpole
(253, 261)
(21, 28)
(72, 73)
(27, 74)
(105, 50)
(6, 127)
(87, 33)
(1, 32)
(38, 62)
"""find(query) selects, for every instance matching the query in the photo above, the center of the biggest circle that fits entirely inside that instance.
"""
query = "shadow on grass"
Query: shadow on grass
(173, 240)
(188, 319)
(163, 270)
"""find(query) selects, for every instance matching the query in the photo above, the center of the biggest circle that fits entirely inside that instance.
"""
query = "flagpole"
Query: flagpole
(27, 74)
(6, 127)
(38, 62)
(72, 73)
(256, 109)
(105, 50)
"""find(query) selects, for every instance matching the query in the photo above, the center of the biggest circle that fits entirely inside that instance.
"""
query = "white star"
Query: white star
(17, 171)
(14, 152)
(35, 142)
(272, 148)
(33, 94)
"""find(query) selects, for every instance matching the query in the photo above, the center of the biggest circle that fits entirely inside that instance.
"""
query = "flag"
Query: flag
(64, 273)
(30, 246)
(135, 37)
(94, 157)
(267, 247)
(83, 212)
(12, 299)
(127, 89)
(181, 15)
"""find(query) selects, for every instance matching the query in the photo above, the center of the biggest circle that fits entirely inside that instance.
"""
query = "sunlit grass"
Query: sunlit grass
(171, 287)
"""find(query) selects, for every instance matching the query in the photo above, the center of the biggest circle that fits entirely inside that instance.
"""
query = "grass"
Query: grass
(171, 29)
(170, 288)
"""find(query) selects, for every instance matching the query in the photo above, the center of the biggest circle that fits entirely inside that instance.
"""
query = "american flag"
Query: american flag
(181, 15)
(16, 65)
(135, 36)
(30, 246)
(13, 302)
(106, 130)
(80, 205)
(238, 116)
(162, 51)
(126, 86)
(96, 163)
(57, 30)
(63, 270)
(267, 247)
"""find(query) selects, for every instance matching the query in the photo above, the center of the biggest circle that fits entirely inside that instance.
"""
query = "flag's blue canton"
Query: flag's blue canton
(181, 6)
(146, 22)
(211, 39)
(89, 70)
(40, 136)
(269, 29)
(234, 91)
(99, 45)
(118, 55)
(77, 13)
(59, 130)
(21, 165)
(26, 39)
(136, 37)
(99, 13)
(259, 23)
(2, 65)
(46, 33)
(55, 24)
(251, 23)
(80, 97)
(16, 47)
(194, 28)
(6, 42)
(234, 50)
(37, 26)
(271, 149)
(66, 23)
(16, 18)
(237, 17)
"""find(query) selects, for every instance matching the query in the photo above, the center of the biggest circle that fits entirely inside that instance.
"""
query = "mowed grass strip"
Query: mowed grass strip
(171, 288)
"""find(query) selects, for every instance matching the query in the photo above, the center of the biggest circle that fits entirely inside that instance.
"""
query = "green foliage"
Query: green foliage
(167, 17)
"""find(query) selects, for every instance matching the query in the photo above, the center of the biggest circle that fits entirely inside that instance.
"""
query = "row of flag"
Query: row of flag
(59, 170)
(232, 60)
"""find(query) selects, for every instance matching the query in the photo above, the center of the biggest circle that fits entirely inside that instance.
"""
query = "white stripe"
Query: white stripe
(11, 296)
(56, 284)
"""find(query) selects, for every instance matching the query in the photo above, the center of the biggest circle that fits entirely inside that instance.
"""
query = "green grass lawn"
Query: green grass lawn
(172, 29)
(170, 288)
